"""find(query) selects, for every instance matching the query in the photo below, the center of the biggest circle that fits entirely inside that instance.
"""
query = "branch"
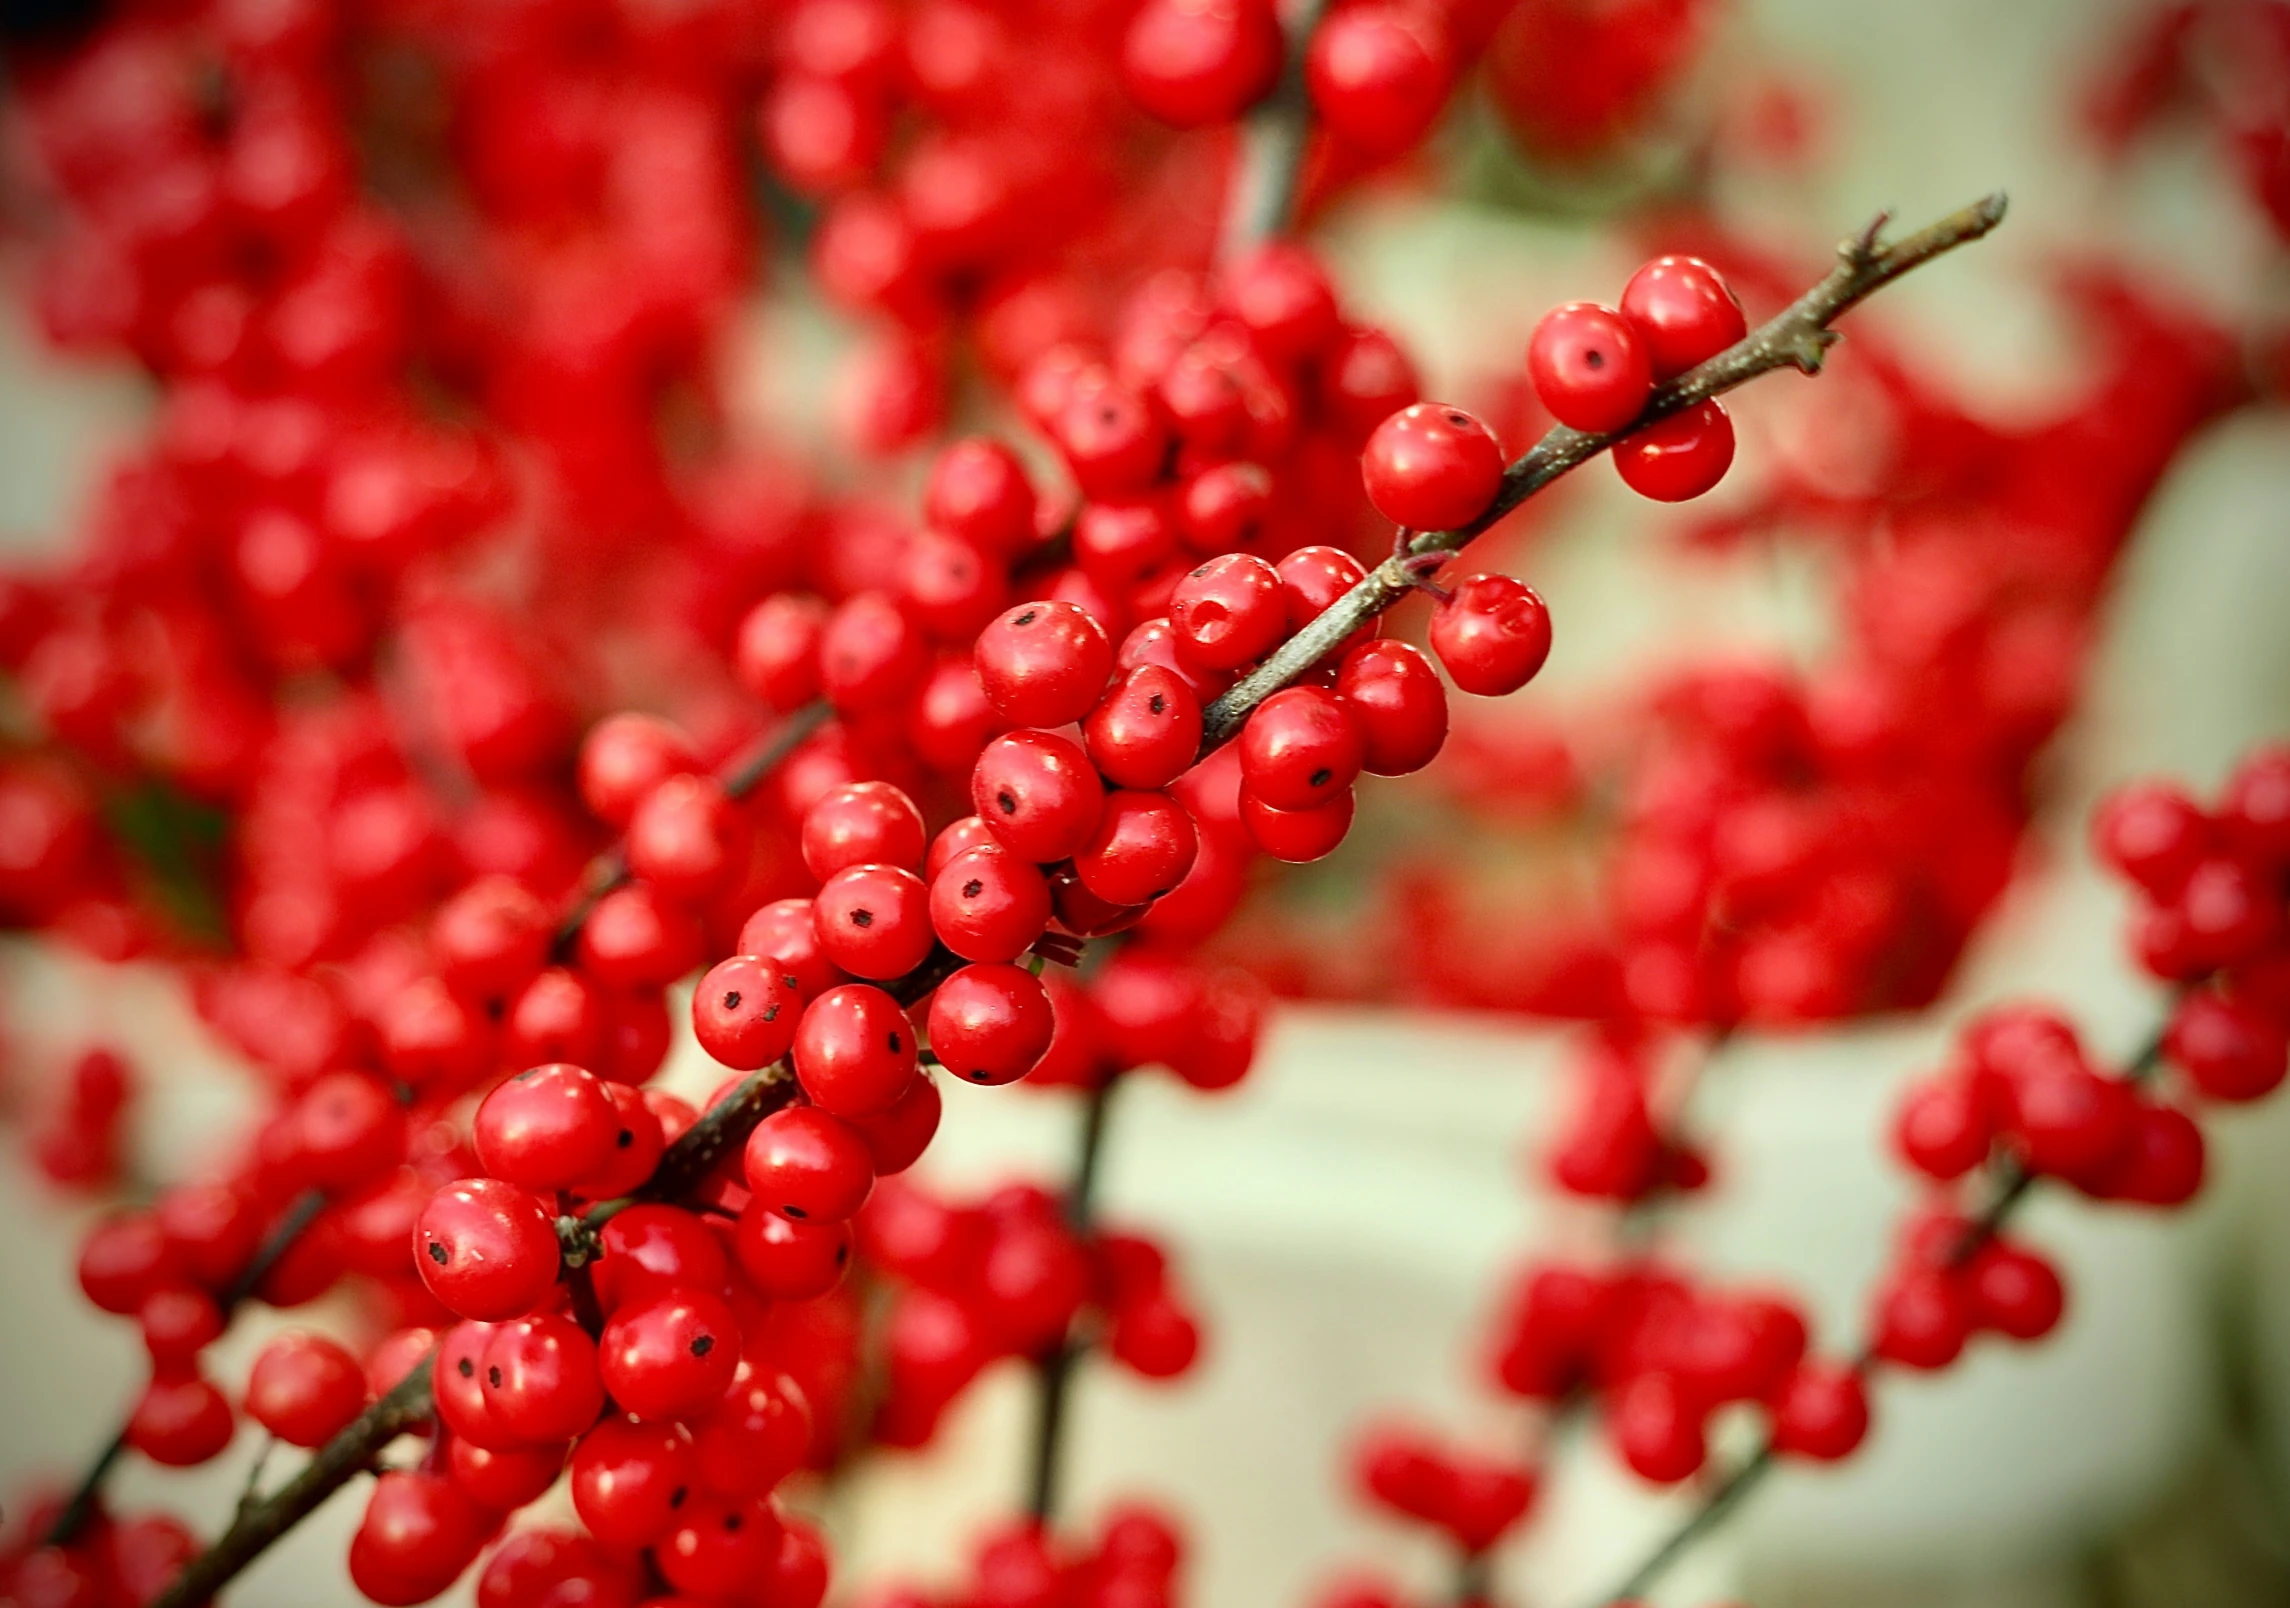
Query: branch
(1797, 337)
(2010, 1185)
(1056, 1369)
(1273, 140)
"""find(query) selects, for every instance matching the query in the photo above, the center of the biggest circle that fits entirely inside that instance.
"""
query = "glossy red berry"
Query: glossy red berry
(486, 1248)
(491, 939)
(782, 932)
(503, 1480)
(1111, 440)
(668, 1355)
(1397, 703)
(988, 904)
(1043, 664)
(1147, 730)
(744, 1011)
(719, 1547)
(871, 653)
(1037, 793)
(546, 1128)
(854, 1051)
(683, 839)
(950, 587)
(1282, 294)
(2254, 809)
(123, 1260)
(418, 1534)
(1144, 844)
(1922, 1318)
(1224, 507)
(650, 1248)
(1195, 62)
(1300, 749)
(635, 938)
(626, 756)
(540, 1378)
(756, 1437)
(990, 1023)
(2152, 833)
(1229, 612)
(2161, 1162)
(631, 1478)
(865, 823)
(786, 1260)
(180, 1420)
(1822, 1413)
(1658, 1429)
(1297, 836)
(1684, 312)
(1432, 467)
(1314, 579)
(807, 1165)
(1493, 634)
(347, 1130)
(873, 920)
(1678, 458)
(304, 1388)
(1589, 367)
(897, 1138)
(559, 1016)
(1378, 75)
(1945, 1126)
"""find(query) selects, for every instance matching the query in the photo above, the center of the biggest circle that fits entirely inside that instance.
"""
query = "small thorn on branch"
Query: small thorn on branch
(1861, 249)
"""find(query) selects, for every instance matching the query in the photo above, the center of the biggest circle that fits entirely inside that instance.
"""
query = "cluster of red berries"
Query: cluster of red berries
(1473, 1502)
(1009, 1277)
(1594, 367)
(78, 1145)
(1134, 1560)
(116, 1559)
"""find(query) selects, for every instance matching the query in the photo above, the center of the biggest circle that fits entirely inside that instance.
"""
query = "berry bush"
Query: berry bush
(451, 694)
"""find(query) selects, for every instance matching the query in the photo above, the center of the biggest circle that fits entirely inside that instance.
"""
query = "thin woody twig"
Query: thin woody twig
(1798, 337)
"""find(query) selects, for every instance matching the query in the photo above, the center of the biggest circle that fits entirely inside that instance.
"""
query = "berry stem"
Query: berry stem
(1057, 1369)
(2011, 1184)
(1796, 337)
(1269, 167)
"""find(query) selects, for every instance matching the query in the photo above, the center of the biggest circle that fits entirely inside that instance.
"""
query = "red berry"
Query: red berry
(1297, 836)
(2152, 833)
(951, 719)
(1229, 612)
(180, 1421)
(2160, 1164)
(1658, 1429)
(1037, 793)
(2014, 1291)
(987, 904)
(683, 839)
(630, 1479)
(786, 1260)
(2227, 912)
(1195, 62)
(782, 932)
(1156, 642)
(979, 491)
(1143, 846)
(1678, 458)
(1314, 579)
(634, 938)
(1589, 367)
(1684, 312)
(720, 1547)
(546, 1128)
(347, 1130)
(1432, 467)
(540, 1378)
(1944, 1127)
(418, 1534)
(648, 1248)
(1147, 731)
(558, 1017)
(486, 1249)
(2067, 1120)
(1282, 294)
(1224, 507)
(807, 1165)
(626, 756)
(865, 823)
(1378, 75)
(1492, 634)
(123, 1260)
(854, 1051)
(503, 1480)
(1299, 749)
(744, 1011)
(873, 920)
(950, 587)
(1123, 545)
(304, 1388)
(1043, 664)
(1364, 381)
(670, 1354)
(1922, 1318)
(2254, 811)
(1111, 441)
(491, 939)
(777, 653)
(1822, 1413)
(990, 1023)
(897, 1138)
(1397, 704)
(2227, 1049)
(871, 653)
(758, 1436)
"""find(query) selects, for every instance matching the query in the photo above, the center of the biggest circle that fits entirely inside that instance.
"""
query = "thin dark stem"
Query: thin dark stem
(2010, 1184)
(88, 1494)
(1474, 1579)
(1274, 138)
(1798, 337)
(1055, 1377)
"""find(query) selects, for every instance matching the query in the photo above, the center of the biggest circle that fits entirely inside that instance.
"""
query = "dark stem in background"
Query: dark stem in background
(1057, 1369)
(1269, 166)
(274, 1246)
(1798, 337)
(2010, 1185)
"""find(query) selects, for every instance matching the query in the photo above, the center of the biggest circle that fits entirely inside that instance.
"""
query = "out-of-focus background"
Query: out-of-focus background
(1345, 1216)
